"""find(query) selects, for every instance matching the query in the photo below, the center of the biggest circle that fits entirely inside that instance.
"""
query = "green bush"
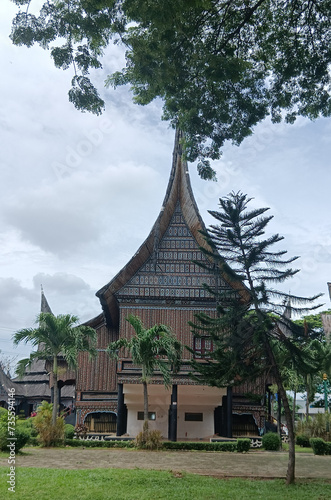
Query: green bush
(315, 427)
(271, 441)
(3, 411)
(22, 437)
(243, 445)
(328, 448)
(302, 440)
(33, 441)
(69, 431)
(148, 440)
(48, 434)
(318, 445)
(203, 446)
(29, 425)
(167, 445)
(99, 444)
(21, 434)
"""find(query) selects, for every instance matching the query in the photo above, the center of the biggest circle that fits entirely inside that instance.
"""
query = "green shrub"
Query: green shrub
(99, 444)
(3, 411)
(33, 441)
(302, 440)
(22, 437)
(315, 427)
(203, 446)
(48, 434)
(29, 425)
(69, 431)
(318, 445)
(271, 441)
(148, 440)
(243, 445)
(328, 448)
(154, 440)
(21, 434)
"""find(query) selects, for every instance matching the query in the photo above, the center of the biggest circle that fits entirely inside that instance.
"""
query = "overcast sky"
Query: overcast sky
(80, 193)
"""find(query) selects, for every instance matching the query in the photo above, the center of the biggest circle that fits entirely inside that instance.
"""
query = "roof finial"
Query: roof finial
(44, 308)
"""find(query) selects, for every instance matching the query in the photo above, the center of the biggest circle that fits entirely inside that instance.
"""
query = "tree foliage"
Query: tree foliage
(56, 336)
(313, 327)
(252, 334)
(220, 66)
(49, 434)
(313, 324)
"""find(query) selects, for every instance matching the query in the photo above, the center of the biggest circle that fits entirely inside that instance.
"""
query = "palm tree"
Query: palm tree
(58, 336)
(155, 348)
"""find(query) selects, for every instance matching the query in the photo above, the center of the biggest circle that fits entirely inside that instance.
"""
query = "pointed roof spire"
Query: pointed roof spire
(44, 307)
(288, 309)
(178, 195)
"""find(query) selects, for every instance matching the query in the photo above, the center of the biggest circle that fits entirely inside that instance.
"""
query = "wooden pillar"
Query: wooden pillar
(279, 416)
(59, 387)
(229, 411)
(121, 412)
(224, 427)
(173, 414)
(218, 421)
(269, 403)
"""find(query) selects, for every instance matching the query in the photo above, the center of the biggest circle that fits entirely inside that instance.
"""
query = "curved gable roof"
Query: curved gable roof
(178, 191)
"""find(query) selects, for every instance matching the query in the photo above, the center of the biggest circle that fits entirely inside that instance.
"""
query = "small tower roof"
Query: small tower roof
(44, 307)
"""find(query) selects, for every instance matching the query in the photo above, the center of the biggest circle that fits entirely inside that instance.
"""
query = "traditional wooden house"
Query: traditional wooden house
(163, 284)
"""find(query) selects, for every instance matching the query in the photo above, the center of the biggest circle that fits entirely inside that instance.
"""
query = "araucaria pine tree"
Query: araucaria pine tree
(251, 333)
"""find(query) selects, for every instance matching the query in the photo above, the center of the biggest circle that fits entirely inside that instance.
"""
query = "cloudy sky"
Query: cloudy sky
(80, 193)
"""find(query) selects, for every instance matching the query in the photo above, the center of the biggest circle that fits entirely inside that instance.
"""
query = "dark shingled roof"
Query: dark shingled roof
(6, 384)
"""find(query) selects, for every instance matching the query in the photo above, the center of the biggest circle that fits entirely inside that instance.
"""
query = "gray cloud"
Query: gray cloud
(61, 283)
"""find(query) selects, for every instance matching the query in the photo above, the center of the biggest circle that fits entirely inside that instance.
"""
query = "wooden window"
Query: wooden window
(151, 415)
(202, 346)
(193, 417)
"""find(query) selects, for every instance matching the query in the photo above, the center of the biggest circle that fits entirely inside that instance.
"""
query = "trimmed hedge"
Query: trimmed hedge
(203, 446)
(99, 444)
(302, 440)
(271, 441)
(167, 445)
(69, 431)
(320, 447)
(22, 437)
(243, 445)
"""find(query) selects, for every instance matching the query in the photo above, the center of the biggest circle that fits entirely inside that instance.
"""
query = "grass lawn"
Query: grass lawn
(298, 449)
(138, 484)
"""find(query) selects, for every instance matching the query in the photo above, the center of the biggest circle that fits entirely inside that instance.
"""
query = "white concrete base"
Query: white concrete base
(191, 399)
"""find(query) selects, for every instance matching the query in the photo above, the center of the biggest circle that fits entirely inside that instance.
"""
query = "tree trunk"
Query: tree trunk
(145, 402)
(56, 392)
(290, 475)
(294, 405)
(307, 400)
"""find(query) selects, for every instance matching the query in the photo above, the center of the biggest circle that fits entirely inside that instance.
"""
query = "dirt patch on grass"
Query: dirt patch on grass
(254, 464)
